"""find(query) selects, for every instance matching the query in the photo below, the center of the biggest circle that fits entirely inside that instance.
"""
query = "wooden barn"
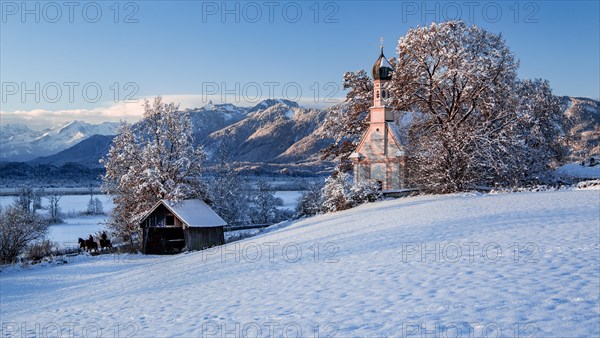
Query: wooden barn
(170, 227)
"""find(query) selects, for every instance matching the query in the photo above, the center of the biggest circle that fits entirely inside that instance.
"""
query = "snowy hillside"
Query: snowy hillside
(503, 265)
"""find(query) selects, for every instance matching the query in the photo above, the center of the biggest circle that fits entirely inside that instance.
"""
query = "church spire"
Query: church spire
(382, 73)
(382, 69)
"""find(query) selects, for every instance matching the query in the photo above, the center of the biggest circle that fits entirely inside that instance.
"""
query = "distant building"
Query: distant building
(169, 227)
(380, 156)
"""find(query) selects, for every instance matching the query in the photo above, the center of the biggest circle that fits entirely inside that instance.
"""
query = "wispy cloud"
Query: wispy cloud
(43, 118)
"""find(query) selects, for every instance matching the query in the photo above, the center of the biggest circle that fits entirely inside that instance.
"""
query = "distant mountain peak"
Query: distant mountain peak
(264, 104)
(19, 143)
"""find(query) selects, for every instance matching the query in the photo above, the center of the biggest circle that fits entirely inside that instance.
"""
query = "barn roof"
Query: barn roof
(194, 213)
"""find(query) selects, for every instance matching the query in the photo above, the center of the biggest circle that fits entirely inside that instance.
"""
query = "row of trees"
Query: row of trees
(238, 202)
(29, 201)
(338, 193)
(472, 121)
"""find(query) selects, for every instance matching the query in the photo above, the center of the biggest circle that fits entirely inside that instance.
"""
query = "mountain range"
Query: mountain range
(20, 143)
(273, 131)
(277, 132)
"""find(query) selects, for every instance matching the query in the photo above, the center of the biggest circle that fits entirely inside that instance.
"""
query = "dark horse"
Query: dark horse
(88, 244)
(105, 243)
(81, 242)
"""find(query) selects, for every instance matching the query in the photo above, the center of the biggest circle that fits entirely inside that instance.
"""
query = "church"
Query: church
(379, 155)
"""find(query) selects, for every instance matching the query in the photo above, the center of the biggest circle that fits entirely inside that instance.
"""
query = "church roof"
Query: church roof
(382, 69)
(393, 127)
(397, 137)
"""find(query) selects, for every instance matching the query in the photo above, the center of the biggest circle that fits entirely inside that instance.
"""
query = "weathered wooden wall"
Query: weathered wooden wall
(202, 238)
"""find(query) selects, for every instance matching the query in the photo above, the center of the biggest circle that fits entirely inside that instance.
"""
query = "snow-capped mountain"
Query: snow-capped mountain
(266, 134)
(213, 117)
(274, 130)
(582, 117)
(20, 143)
(87, 152)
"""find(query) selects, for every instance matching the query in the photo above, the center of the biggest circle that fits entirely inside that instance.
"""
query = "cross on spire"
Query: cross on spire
(381, 43)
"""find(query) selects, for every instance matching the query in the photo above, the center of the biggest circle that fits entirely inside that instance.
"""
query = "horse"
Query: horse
(105, 243)
(81, 242)
(90, 244)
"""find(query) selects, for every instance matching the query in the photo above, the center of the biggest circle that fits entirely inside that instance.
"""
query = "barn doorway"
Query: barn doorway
(163, 240)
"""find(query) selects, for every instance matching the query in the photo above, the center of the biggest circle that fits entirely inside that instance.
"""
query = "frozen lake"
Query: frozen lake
(290, 198)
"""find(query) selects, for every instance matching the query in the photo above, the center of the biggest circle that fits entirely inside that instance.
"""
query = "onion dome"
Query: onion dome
(382, 69)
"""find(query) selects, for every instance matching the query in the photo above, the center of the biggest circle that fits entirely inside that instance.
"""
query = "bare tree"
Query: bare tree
(17, 229)
(53, 208)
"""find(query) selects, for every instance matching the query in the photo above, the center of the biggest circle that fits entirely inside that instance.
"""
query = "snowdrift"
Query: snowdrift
(496, 265)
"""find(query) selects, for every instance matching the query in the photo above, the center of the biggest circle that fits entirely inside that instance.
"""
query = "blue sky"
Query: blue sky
(242, 52)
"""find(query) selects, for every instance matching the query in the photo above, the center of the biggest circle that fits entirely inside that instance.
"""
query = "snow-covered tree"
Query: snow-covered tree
(228, 190)
(37, 199)
(29, 199)
(341, 193)
(336, 192)
(363, 192)
(264, 204)
(98, 206)
(155, 160)
(471, 121)
(94, 206)
(228, 195)
(346, 124)
(309, 203)
(539, 130)
(460, 79)
(17, 230)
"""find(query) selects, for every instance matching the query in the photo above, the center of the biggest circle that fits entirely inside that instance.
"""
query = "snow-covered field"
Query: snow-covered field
(469, 265)
(575, 170)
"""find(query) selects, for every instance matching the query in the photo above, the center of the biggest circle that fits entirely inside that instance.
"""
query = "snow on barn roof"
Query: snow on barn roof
(194, 213)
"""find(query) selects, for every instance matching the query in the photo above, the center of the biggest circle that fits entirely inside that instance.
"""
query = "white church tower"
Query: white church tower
(379, 156)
